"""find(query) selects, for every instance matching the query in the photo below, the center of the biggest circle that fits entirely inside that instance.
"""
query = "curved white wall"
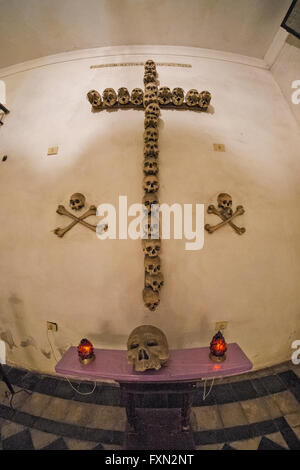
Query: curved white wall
(93, 288)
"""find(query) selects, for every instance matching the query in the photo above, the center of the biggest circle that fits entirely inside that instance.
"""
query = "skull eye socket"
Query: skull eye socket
(148, 248)
(157, 248)
(134, 346)
(152, 343)
(77, 201)
(155, 283)
(158, 267)
(150, 266)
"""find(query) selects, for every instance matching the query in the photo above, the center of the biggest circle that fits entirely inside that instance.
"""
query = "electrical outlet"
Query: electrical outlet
(52, 150)
(221, 325)
(52, 326)
(219, 147)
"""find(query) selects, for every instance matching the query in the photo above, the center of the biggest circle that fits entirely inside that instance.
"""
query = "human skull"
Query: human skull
(137, 96)
(164, 95)
(109, 97)
(150, 226)
(152, 109)
(151, 247)
(151, 88)
(151, 149)
(77, 201)
(151, 184)
(151, 121)
(155, 282)
(149, 98)
(152, 265)
(147, 346)
(204, 99)
(123, 95)
(95, 99)
(150, 134)
(225, 203)
(192, 98)
(178, 96)
(150, 66)
(150, 166)
(149, 77)
(150, 201)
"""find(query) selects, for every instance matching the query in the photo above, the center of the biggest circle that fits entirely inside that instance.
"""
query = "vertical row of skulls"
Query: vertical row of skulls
(151, 241)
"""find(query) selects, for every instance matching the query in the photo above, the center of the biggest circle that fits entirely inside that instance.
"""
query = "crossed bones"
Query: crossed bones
(60, 232)
(226, 218)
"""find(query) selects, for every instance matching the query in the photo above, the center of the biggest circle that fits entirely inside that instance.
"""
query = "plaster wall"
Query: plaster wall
(92, 288)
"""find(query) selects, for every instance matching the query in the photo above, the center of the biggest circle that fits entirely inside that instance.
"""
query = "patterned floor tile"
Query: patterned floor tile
(286, 402)
(59, 444)
(266, 444)
(210, 447)
(271, 406)
(293, 419)
(278, 439)
(10, 428)
(41, 439)
(75, 444)
(207, 417)
(36, 404)
(22, 440)
(56, 409)
(247, 444)
(232, 414)
(255, 410)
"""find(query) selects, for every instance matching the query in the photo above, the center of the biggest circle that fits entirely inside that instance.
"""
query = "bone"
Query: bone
(239, 211)
(213, 210)
(60, 232)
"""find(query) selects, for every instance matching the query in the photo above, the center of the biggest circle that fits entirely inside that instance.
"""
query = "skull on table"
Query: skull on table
(95, 99)
(204, 99)
(164, 95)
(123, 96)
(192, 98)
(178, 96)
(147, 348)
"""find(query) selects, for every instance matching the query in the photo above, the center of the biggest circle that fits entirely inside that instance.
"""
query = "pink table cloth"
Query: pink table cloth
(183, 365)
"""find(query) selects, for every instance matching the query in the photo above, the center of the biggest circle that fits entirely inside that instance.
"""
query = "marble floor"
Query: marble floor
(255, 411)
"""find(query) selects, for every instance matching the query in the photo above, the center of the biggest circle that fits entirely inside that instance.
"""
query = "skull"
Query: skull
(147, 346)
(178, 96)
(150, 66)
(151, 247)
(204, 99)
(109, 97)
(150, 166)
(225, 203)
(137, 96)
(149, 77)
(95, 99)
(152, 265)
(192, 98)
(150, 201)
(151, 88)
(151, 184)
(151, 228)
(151, 121)
(149, 98)
(164, 95)
(151, 149)
(155, 282)
(77, 201)
(151, 135)
(152, 109)
(123, 96)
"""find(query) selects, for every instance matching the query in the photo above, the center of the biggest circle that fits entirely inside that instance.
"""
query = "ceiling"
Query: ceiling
(36, 28)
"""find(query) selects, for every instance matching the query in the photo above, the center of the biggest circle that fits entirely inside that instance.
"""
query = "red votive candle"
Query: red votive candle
(85, 351)
(218, 348)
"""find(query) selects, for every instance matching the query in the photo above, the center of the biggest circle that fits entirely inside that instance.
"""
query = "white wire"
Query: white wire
(72, 386)
(205, 395)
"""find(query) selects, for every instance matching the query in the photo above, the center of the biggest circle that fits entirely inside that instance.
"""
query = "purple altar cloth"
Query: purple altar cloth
(183, 365)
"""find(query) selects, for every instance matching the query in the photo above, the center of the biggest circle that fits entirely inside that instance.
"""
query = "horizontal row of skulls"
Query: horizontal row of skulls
(164, 96)
(152, 243)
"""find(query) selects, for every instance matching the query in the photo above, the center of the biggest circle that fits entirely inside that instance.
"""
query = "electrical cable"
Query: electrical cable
(205, 395)
(75, 389)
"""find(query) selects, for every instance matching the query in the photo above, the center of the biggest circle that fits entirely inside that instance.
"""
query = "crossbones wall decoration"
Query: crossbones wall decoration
(77, 202)
(225, 212)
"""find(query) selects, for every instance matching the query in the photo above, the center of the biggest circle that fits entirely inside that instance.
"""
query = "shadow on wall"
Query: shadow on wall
(293, 41)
